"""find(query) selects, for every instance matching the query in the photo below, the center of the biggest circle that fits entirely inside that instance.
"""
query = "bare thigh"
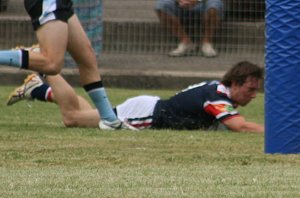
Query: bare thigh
(53, 38)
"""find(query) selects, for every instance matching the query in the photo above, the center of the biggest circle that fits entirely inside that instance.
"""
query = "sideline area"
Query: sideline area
(135, 68)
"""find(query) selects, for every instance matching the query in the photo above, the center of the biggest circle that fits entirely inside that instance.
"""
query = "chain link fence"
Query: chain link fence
(131, 29)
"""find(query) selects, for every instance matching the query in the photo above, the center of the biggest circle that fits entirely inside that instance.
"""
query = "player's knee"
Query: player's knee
(69, 120)
(53, 67)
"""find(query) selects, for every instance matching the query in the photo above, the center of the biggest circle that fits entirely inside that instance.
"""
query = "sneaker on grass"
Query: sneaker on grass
(115, 125)
(23, 92)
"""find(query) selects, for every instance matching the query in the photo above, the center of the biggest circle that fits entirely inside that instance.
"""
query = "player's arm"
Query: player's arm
(239, 124)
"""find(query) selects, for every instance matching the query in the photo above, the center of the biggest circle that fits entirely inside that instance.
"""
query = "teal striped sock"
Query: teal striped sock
(102, 103)
(11, 58)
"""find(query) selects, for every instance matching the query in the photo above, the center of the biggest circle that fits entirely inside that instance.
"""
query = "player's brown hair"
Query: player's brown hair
(240, 72)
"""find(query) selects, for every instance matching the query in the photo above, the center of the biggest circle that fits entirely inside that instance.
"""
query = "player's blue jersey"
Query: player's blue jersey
(196, 107)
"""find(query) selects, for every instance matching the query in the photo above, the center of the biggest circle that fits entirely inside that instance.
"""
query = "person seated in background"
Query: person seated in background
(199, 106)
(172, 13)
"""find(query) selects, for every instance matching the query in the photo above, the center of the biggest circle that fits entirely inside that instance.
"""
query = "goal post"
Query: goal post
(282, 83)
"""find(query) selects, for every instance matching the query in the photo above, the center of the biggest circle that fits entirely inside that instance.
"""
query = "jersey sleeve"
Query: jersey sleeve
(221, 109)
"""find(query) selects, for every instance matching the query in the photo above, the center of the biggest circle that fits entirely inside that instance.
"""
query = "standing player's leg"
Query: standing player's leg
(49, 19)
(52, 37)
(80, 48)
(58, 29)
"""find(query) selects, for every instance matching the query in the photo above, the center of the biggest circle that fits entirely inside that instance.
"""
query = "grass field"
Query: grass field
(41, 158)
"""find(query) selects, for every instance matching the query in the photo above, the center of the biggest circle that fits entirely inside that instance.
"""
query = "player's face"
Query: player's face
(243, 94)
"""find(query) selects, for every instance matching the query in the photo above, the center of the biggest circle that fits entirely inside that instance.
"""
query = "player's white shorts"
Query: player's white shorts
(137, 111)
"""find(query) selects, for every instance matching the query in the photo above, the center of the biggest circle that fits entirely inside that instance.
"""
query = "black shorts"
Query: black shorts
(42, 11)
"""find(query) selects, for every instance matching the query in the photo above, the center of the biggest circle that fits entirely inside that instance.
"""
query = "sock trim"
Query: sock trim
(48, 96)
(93, 86)
(25, 59)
